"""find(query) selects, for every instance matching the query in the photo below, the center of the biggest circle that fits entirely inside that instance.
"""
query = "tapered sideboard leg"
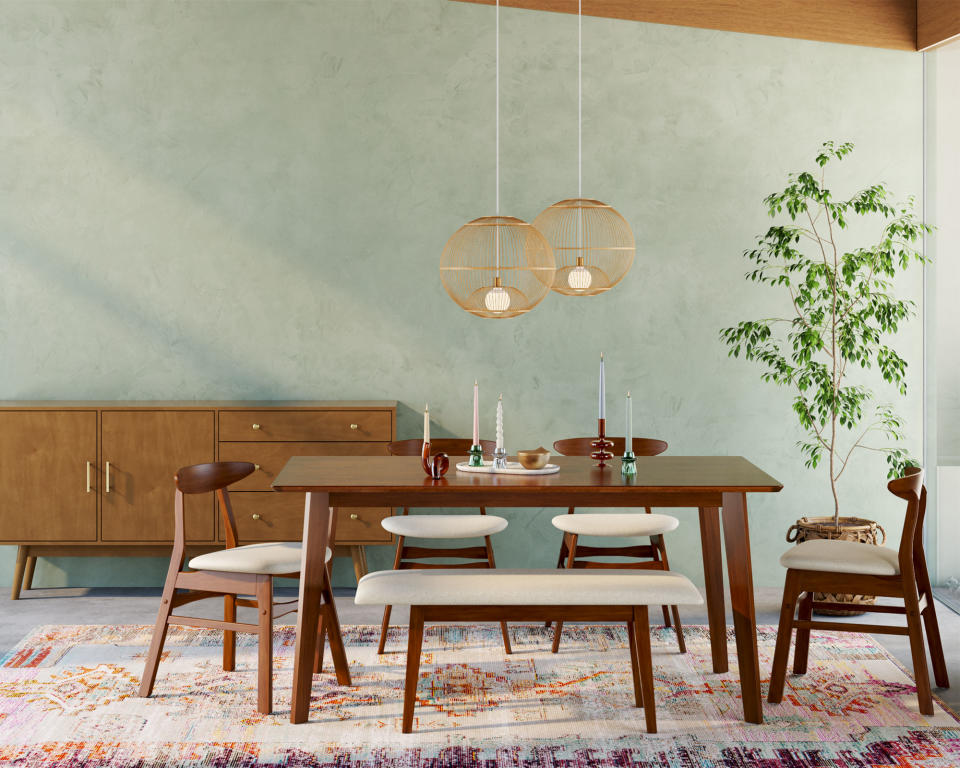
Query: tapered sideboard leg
(18, 570)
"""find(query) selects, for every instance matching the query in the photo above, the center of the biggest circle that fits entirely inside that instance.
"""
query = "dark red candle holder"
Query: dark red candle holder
(602, 453)
(435, 466)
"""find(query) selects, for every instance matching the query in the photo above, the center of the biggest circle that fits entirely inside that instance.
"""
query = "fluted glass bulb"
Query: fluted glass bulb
(579, 278)
(497, 300)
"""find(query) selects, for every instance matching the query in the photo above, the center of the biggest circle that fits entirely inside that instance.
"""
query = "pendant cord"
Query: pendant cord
(497, 148)
(579, 98)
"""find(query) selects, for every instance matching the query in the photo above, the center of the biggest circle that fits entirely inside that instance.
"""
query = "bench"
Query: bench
(441, 595)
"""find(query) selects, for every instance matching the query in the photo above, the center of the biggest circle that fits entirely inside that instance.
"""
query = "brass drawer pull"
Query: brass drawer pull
(88, 477)
(354, 516)
(255, 516)
(107, 489)
(256, 426)
(354, 426)
(256, 467)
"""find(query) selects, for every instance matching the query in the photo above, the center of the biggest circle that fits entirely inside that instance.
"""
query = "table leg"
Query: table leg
(736, 537)
(713, 585)
(317, 519)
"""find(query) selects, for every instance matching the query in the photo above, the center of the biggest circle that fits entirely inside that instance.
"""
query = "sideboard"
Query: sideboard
(86, 478)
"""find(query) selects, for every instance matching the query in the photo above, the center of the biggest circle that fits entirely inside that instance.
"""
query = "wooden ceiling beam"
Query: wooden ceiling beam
(938, 22)
(874, 23)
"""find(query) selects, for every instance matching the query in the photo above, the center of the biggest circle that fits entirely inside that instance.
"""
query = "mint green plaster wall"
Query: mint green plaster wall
(249, 200)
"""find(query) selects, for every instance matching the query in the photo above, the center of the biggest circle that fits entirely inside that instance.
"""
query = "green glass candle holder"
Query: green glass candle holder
(476, 455)
(628, 464)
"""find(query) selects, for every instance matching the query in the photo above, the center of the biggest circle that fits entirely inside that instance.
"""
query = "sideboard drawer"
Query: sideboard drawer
(259, 426)
(280, 518)
(270, 457)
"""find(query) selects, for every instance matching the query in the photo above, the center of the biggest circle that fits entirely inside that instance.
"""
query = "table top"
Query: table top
(401, 480)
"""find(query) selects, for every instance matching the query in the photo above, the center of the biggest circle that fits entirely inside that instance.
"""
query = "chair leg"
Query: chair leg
(321, 644)
(503, 625)
(641, 630)
(802, 650)
(570, 540)
(678, 628)
(265, 645)
(784, 633)
(384, 628)
(414, 646)
(917, 651)
(930, 623)
(634, 664)
(385, 625)
(332, 623)
(229, 638)
(159, 631)
(560, 559)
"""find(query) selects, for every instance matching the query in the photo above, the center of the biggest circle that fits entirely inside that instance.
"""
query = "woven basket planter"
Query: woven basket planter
(851, 529)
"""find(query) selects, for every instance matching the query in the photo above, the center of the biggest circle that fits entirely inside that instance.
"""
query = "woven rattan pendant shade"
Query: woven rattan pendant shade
(593, 245)
(497, 252)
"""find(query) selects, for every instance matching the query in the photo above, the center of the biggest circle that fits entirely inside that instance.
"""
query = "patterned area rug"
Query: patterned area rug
(68, 698)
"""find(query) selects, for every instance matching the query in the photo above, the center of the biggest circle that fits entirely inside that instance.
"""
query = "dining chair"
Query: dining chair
(652, 556)
(405, 526)
(232, 572)
(834, 565)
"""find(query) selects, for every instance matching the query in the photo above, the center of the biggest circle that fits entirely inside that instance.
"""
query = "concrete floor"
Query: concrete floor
(139, 606)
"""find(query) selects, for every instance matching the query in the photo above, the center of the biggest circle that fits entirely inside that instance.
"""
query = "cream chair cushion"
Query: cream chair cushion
(271, 557)
(526, 586)
(444, 526)
(842, 557)
(615, 524)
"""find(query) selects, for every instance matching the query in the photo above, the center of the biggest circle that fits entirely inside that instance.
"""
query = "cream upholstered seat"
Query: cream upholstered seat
(272, 557)
(614, 524)
(444, 526)
(839, 556)
(526, 586)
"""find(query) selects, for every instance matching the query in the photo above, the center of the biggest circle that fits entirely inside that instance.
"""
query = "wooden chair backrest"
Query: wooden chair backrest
(203, 478)
(581, 446)
(911, 489)
(453, 446)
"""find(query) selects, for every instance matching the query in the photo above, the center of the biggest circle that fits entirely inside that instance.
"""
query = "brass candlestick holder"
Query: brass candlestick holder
(602, 453)
(435, 466)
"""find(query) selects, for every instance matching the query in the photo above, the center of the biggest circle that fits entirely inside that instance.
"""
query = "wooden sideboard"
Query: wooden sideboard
(84, 478)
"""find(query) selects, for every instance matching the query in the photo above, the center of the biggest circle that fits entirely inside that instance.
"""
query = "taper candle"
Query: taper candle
(426, 423)
(603, 391)
(476, 413)
(629, 440)
(500, 422)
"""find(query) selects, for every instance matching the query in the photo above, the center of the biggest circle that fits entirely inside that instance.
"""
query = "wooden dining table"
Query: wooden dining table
(717, 486)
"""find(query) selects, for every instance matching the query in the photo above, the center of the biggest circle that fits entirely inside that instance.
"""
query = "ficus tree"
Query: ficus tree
(840, 313)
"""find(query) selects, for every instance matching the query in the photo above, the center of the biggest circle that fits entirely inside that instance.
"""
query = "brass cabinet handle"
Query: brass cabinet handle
(256, 467)
(354, 426)
(88, 477)
(107, 488)
(255, 516)
(354, 516)
(256, 426)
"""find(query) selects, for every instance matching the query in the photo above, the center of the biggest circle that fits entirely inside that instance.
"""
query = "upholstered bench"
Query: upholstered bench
(442, 594)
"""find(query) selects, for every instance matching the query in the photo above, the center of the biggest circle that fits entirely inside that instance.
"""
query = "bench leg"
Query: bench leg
(414, 646)
(634, 664)
(641, 629)
(503, 625)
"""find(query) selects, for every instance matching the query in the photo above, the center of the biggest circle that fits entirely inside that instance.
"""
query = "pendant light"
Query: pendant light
(592, 243)
(497, 266)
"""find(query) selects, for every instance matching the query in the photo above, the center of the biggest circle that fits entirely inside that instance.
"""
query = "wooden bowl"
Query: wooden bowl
(535, 459)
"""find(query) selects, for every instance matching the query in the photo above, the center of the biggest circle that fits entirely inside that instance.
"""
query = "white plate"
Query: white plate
(513, 468)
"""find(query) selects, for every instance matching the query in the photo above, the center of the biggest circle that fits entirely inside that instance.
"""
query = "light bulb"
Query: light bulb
(579, 278)
(497, 299)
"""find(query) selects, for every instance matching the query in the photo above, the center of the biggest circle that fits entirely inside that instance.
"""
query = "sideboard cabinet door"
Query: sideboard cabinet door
(144, 450)
(43, 476)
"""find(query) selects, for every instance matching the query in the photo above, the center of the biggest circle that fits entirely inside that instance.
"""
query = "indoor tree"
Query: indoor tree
(841, 309)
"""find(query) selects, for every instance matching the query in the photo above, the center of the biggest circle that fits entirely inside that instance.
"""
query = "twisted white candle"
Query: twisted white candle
(500, 422)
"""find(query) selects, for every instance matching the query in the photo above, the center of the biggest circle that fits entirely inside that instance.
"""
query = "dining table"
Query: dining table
(716, 486)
